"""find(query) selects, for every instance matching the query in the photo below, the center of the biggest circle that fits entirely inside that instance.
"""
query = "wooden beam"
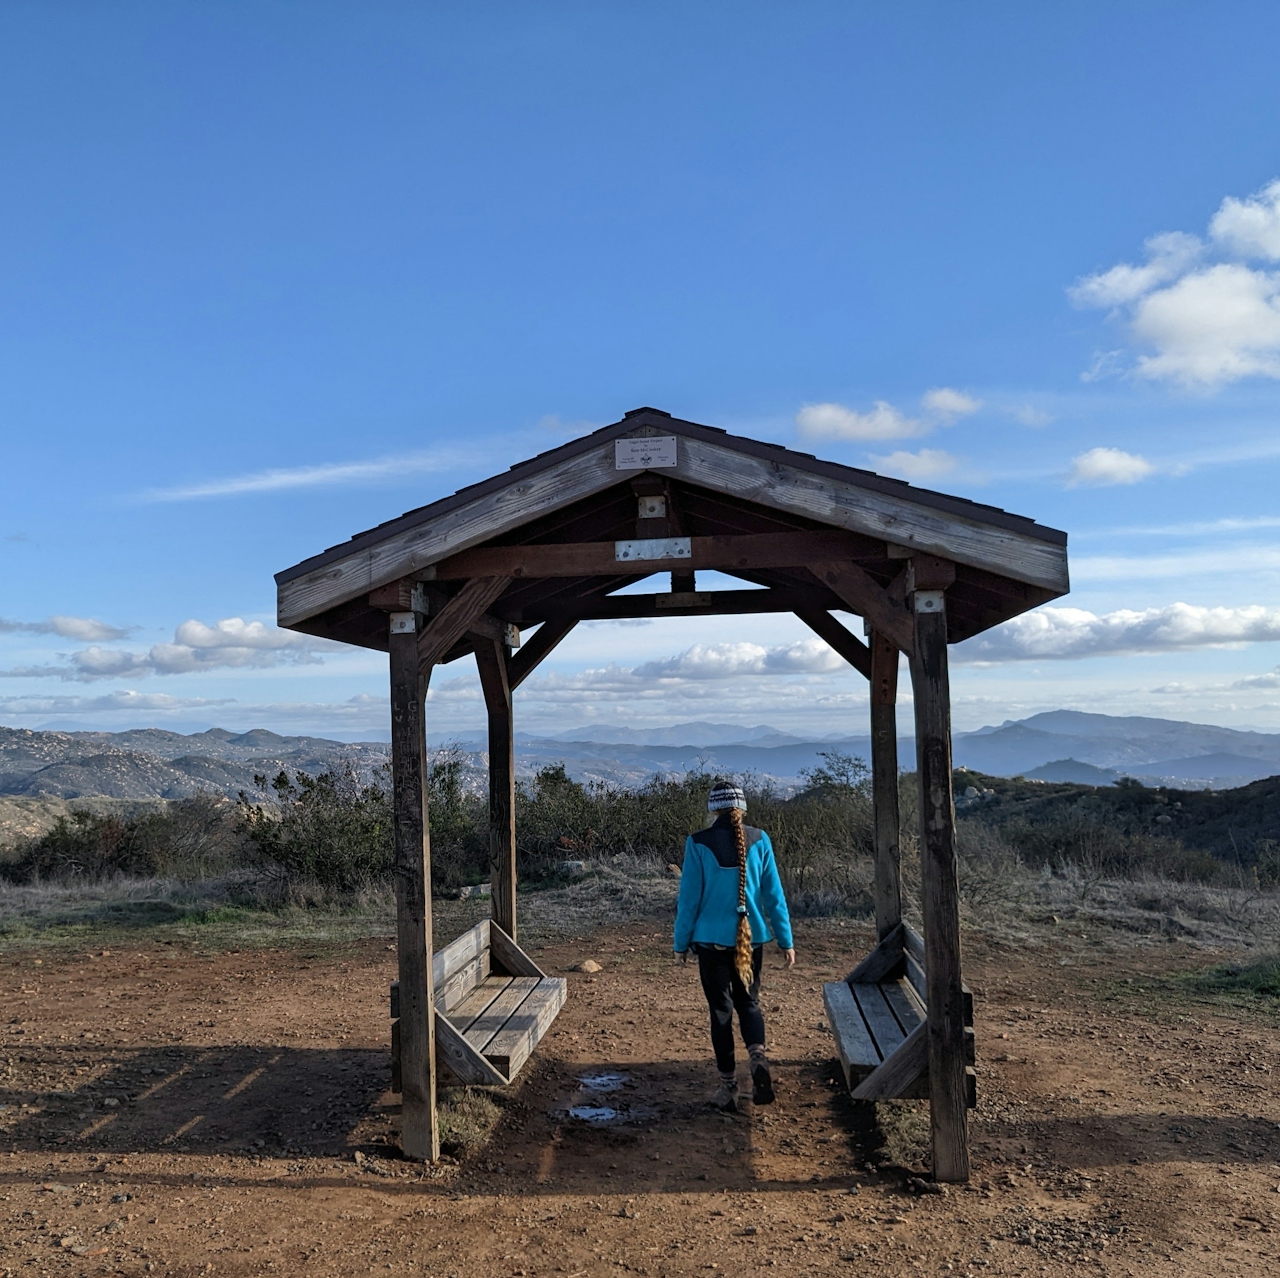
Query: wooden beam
(940, 893)
(708, 603)
(491, 661)
(530, 656)
(900, 1070)
(599, 558)
(863, 594)
(846, 644)
(419, 1127)
(884, 783)
(455, 618)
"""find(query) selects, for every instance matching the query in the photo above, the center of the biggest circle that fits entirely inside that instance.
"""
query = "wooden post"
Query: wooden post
(419, 1129)
(491, 661)
(941, 891)
(884, 782)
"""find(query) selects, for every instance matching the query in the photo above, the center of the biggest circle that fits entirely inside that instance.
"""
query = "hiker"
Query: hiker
(730, 896)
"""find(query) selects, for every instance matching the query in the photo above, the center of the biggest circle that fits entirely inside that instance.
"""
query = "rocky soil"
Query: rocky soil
(178, 1111)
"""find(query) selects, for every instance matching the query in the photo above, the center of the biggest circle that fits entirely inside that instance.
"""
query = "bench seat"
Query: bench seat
(492, 1003)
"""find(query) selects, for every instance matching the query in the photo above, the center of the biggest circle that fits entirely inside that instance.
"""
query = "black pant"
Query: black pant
(725, 991)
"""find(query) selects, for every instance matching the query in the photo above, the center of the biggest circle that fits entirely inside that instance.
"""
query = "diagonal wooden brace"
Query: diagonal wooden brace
(457, 616)
(863, 594)
(547, 636)
(847, 645)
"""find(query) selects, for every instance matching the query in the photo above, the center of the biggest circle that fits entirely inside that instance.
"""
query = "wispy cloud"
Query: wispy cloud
(1195, 321)
(1192, 563)
(928, 463)
(328, 475)
(83, 629)
(1200, 528)
(232, 643)
(110, 703)
(1067, 633)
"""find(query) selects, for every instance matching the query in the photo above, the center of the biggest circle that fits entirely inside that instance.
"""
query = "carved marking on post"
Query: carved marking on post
(940, 890)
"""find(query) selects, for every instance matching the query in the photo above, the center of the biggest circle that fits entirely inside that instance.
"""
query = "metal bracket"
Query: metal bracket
(403, 623)
(929, 600)
(653, 548)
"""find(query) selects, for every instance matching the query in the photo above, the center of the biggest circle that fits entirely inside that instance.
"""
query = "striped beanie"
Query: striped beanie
(725, 795)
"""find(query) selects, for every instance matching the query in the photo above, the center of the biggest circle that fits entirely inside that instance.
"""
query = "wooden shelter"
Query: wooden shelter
(550, 543)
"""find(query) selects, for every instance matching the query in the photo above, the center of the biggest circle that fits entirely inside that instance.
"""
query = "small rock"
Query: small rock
(587, 965)
(358, 1158)
(111, 1102)
(750, 1231)
(574, 869)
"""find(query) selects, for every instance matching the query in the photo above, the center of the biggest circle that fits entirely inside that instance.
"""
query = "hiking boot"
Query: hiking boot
(761, 1081)
(725, 1097)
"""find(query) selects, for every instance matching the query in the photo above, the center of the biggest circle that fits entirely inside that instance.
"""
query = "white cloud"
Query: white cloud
(1101, 467)
(732, 660)
(324, 476)
(1213, 326)
(1250, 227)
(84, 629)
(949, 404)
(928, 463)
(1194, 323)
(232, 643)
(1168, 256)
(1062, 633)
(835, 421)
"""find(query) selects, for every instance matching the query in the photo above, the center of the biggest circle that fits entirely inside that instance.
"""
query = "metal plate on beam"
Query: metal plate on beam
(645, 453)
(652, 548)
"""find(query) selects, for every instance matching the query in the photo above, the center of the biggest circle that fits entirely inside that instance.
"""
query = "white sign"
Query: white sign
(646, 453)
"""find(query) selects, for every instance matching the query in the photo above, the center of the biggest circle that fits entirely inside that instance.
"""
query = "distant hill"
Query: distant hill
(1058, 746)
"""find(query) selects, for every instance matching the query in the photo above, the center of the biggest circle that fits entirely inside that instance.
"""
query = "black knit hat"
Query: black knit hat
(725, 795)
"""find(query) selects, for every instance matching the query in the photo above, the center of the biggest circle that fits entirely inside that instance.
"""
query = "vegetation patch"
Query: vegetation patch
(468, 1116)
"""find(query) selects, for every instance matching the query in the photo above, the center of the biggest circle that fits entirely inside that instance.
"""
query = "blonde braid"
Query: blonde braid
(742, 956)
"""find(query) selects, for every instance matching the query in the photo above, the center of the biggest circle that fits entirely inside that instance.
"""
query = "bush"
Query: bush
(191, 839)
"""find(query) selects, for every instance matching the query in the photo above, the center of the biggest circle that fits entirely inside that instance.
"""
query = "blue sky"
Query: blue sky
(272, 274)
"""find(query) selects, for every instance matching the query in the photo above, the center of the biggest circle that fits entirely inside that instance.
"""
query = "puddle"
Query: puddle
(604, 1081)
(594, 1113)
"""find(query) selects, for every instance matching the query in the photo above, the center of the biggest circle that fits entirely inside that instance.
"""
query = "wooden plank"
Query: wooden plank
(940, 891)
(857, 1052)
(411, 549)
(883, 963)
(777, 483)
(451, 992)
(397, 1081)
(419, 1127)
(704, 603)
(499, 1012)
(514, 1043)
(847, 645)
(898, 1076)
(863, 594)
(453, 620)
(491, 662)
(887, 887)
(509, 957)
(913, 941)
(475, 1003)
(460, 951)
(527, 660)
(907, 1006)
(875, 1009)
(465, 1063)
(395, 1000)
(724, 553)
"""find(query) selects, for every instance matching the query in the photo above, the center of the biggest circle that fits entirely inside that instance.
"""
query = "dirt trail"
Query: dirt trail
(171, 1112)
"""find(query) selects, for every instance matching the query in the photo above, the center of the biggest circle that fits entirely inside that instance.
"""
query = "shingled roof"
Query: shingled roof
(723, 484)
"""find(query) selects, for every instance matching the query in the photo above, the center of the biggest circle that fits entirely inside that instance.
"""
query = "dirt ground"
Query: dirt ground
(174, 1112)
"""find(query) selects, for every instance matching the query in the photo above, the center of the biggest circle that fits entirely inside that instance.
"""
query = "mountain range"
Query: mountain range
(1059, 745)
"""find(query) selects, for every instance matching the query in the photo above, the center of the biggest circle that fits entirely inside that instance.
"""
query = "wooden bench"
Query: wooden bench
(878, 1016)
(493, 1003)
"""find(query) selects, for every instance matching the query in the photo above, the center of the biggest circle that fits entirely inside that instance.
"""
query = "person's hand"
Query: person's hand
(684, 956)
(790, 956)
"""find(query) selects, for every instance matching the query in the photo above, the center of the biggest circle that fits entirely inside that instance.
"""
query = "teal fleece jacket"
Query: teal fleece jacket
(708, 907)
